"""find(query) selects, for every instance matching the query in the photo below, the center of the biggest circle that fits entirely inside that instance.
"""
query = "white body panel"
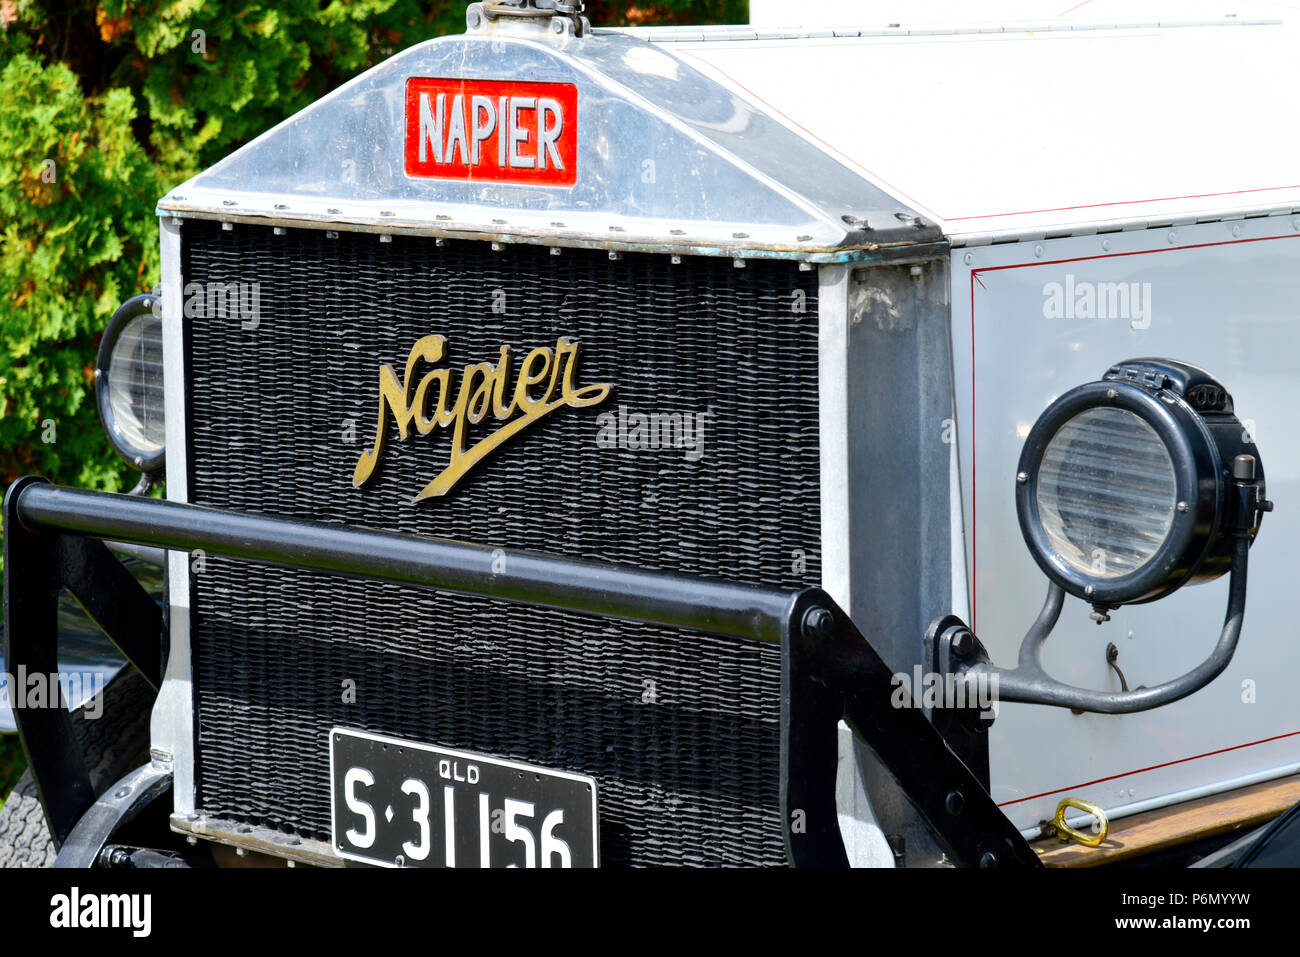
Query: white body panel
(1219, 295)
(1041, 129)
(839, 13)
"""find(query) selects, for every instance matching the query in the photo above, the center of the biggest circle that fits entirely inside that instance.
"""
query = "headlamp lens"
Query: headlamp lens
(1107, 491)
(135, 386)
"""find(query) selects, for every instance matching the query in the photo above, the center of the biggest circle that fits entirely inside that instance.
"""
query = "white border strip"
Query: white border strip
(172, 723)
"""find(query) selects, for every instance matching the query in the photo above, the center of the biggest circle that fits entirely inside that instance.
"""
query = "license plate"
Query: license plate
(400, 804)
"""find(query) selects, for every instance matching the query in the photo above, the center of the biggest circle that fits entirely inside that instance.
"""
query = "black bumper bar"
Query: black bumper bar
(829, 670)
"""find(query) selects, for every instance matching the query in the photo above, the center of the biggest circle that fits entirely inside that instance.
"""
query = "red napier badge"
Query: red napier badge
(499, 131)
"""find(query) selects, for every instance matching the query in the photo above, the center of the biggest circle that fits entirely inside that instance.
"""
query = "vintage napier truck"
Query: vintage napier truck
(648, 447)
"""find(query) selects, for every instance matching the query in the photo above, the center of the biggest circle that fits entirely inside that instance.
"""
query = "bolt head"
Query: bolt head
(818, 623)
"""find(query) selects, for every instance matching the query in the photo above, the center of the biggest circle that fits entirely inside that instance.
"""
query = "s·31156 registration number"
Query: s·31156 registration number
(396, 803)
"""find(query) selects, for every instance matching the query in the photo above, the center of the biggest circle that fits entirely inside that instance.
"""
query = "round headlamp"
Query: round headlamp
(129, 382)
(1127, 487)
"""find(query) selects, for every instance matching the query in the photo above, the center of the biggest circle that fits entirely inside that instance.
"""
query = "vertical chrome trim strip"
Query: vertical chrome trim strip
(864, 841)
(957, 518)
(833, 426)
(172, 726)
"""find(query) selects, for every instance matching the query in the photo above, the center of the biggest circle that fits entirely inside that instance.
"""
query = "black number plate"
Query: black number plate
(400, 804)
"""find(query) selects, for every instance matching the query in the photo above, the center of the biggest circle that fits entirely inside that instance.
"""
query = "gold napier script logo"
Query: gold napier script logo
(483, 387)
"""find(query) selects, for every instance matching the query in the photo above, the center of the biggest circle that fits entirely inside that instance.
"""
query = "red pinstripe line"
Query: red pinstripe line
(1194, 757)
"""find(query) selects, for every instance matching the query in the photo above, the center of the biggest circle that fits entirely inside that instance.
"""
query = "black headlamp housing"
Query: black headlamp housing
(1214, 460)
(146, 460)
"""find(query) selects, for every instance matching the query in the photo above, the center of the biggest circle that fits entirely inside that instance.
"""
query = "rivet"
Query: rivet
(1236, 229)
(676, 260)
(988, 859)
(954, 803)
(191, 839)
(1173, 237)
(968, 259)
(385, 212)
(614, 254)
(227, 226)
(278, 230)
(1022, 477)
(1088, 590)
(229, 202)
(241, 852)
(497, 247)
(1182, 507)
(1112, 394)
(555, 250)
(1038, 252)
(805, 267)
(1295, 223)
(1105, 244)
(738, 263)
(385, 237)
(290, 863)
(332, 210)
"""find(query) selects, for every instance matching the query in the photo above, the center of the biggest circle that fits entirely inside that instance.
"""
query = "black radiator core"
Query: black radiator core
(678, 728)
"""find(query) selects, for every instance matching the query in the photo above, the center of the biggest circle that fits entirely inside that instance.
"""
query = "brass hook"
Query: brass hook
(1066, 833)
